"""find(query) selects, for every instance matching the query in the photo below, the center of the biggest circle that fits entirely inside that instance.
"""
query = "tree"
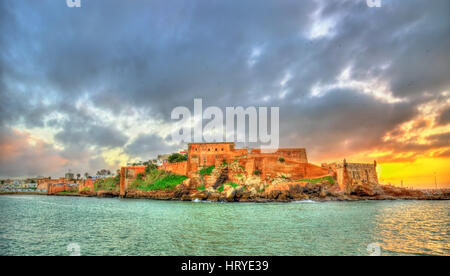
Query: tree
(150, 167)
(78, 176)
(176, 157)
(86, 174)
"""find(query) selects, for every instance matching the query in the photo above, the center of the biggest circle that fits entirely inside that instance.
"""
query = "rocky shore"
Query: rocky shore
(189, 190)
(280, 192)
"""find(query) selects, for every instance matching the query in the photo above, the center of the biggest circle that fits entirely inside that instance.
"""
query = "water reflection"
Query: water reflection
(419, 228)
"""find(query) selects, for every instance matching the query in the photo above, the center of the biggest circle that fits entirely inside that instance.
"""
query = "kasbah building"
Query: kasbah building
(240, 165)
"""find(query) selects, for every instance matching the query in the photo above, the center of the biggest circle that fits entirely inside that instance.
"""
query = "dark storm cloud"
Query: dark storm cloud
(155, 55)
(149, 146)
(444, 118)
(340, 122)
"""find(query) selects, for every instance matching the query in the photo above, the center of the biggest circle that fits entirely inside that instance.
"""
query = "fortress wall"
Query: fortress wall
(128, 174)
(180, 168)
(313, 171)
(296, 154)
(349, 174)
(86, 183)
(56, 188)
(272, 167)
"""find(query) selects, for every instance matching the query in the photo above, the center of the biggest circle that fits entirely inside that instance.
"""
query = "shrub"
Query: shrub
(207, 171)
(150, 167)
(281, 159)
(257, 172)
(202, 188)
(232, 184)
(108, 184)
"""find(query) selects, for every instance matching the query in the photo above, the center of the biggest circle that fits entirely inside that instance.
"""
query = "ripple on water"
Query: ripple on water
(38, 225)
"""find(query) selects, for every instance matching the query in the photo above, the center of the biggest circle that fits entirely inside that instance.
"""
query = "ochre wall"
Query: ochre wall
(295, 154)
(86, 183)
(177, 168)
(128, 174)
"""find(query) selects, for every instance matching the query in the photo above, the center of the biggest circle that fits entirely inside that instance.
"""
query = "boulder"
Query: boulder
(253, 181)
(215, 196)
(201, 195)
(230, 193)
(363, 190)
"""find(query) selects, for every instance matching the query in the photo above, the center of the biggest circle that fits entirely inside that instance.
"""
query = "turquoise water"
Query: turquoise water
(45, 225)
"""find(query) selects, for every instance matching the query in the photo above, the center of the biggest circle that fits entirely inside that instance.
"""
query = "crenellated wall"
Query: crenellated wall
(350, 174)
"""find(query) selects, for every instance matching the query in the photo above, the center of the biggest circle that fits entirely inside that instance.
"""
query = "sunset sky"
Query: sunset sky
(93, 87)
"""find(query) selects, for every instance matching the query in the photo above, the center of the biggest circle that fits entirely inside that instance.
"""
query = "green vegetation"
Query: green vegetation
(232, 184)
(239, 175)
(150, 167)
(262, 190)
(281, 159)
(85, 189)
(107, 184)
(317, 180)
(207, 171)
(73, 191)
(166, 182)
(257, 172)
(177, 157)
(201, 188)
(157, 180)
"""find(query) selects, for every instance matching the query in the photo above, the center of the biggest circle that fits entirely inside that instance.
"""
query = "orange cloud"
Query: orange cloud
(24, 155)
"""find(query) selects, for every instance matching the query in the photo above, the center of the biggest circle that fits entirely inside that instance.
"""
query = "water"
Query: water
(44, 225)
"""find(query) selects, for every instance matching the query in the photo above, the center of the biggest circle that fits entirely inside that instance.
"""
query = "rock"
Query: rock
(226, 188)
(284, 196)
(253, 181)
(185, 197)
(215, 196)
(230, 194)
(239, 190)
(201, 195)
(362, 190)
